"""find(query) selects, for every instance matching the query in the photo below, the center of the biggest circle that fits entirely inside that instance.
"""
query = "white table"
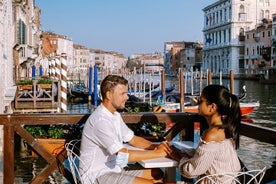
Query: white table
(167, 163)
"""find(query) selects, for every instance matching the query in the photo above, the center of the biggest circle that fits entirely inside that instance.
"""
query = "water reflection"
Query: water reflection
(256, 154)
(28, 167)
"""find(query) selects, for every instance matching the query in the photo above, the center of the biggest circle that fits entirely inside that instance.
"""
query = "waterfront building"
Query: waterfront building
(109, 61)
(150, 62)
(191, 56)
(7, 88)
(26, 32)
(83, 61)
(53, 47)
(19, 40)
(225, 22)
(257, 51)
(273, 40)
(172, 56)
(182, 54)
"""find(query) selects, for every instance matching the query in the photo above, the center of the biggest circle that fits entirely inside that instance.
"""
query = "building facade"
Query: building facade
(53, 47)
(257, 50)
(26, 37)
(273, 40)
(225, 24)
(7, 89)
(191, 56)
(182, 54)
(172, 56)
(82, 62)
(149, 62)
(109, 62)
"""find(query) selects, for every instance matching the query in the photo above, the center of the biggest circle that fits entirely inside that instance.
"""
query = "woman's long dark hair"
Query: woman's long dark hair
(228, 107)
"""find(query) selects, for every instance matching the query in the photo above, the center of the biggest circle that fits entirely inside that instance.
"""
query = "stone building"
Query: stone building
(83, 61)
(172, 56)
(7, 88)
(183, 55)
(191, 56)
(257, 50)
(53, 46)
(149, 62)
(19, 31)
(109, 61)
(225, 23)
(26, 30)
(273, 40)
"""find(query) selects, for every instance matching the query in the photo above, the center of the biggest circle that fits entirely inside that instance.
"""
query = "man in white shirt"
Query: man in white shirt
(104, 134)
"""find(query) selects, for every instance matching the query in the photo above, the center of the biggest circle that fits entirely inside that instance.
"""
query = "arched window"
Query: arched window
(266, 14)
(242, 13)
(242, 9)
(266, 3)
(241, 31)
(261, 14)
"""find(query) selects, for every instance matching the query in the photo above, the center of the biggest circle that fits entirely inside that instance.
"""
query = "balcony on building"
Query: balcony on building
(241, 37)
(257, 37)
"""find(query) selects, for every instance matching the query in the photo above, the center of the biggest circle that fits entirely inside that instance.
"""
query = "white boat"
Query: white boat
(246, 108)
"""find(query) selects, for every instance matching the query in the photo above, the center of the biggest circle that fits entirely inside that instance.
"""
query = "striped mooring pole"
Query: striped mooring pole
(57, 68)
(53, 68)
(63, 81)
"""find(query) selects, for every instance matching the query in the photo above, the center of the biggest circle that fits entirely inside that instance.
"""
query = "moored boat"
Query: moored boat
(246, 108)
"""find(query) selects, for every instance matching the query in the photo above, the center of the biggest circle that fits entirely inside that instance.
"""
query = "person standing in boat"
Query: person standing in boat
(216, 152)
(103, 138)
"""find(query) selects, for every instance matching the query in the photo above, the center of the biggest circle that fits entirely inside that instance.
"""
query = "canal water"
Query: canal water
(254, 154)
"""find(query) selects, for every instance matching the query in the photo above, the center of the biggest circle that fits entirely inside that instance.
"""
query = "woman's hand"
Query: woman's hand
(175, 154)
(164, 149)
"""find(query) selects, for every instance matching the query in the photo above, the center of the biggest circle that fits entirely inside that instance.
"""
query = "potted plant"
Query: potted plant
(25, 84)
(45, 83)
(51, 138)
(152, 132)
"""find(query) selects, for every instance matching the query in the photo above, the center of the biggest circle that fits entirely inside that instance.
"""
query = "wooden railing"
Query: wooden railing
(37, 97)
(14, 123)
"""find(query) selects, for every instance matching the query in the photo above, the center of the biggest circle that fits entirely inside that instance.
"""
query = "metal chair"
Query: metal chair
(73, 150)
(246, 177)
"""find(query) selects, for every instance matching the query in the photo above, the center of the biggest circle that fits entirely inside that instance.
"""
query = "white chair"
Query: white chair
(73, 150)
(246, 177)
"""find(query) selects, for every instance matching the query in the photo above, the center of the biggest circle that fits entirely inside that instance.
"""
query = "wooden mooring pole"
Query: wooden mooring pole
(232, 90)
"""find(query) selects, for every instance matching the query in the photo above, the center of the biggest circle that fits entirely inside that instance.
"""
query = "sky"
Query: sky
(124, 26)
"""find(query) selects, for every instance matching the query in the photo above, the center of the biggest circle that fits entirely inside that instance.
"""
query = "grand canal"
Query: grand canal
(255, 154)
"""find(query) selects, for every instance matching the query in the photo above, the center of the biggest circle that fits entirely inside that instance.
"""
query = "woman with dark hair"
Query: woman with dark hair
(216, 152)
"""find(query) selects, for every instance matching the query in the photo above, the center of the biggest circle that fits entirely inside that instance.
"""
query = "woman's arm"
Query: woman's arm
(150, 151)
(199, 163)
